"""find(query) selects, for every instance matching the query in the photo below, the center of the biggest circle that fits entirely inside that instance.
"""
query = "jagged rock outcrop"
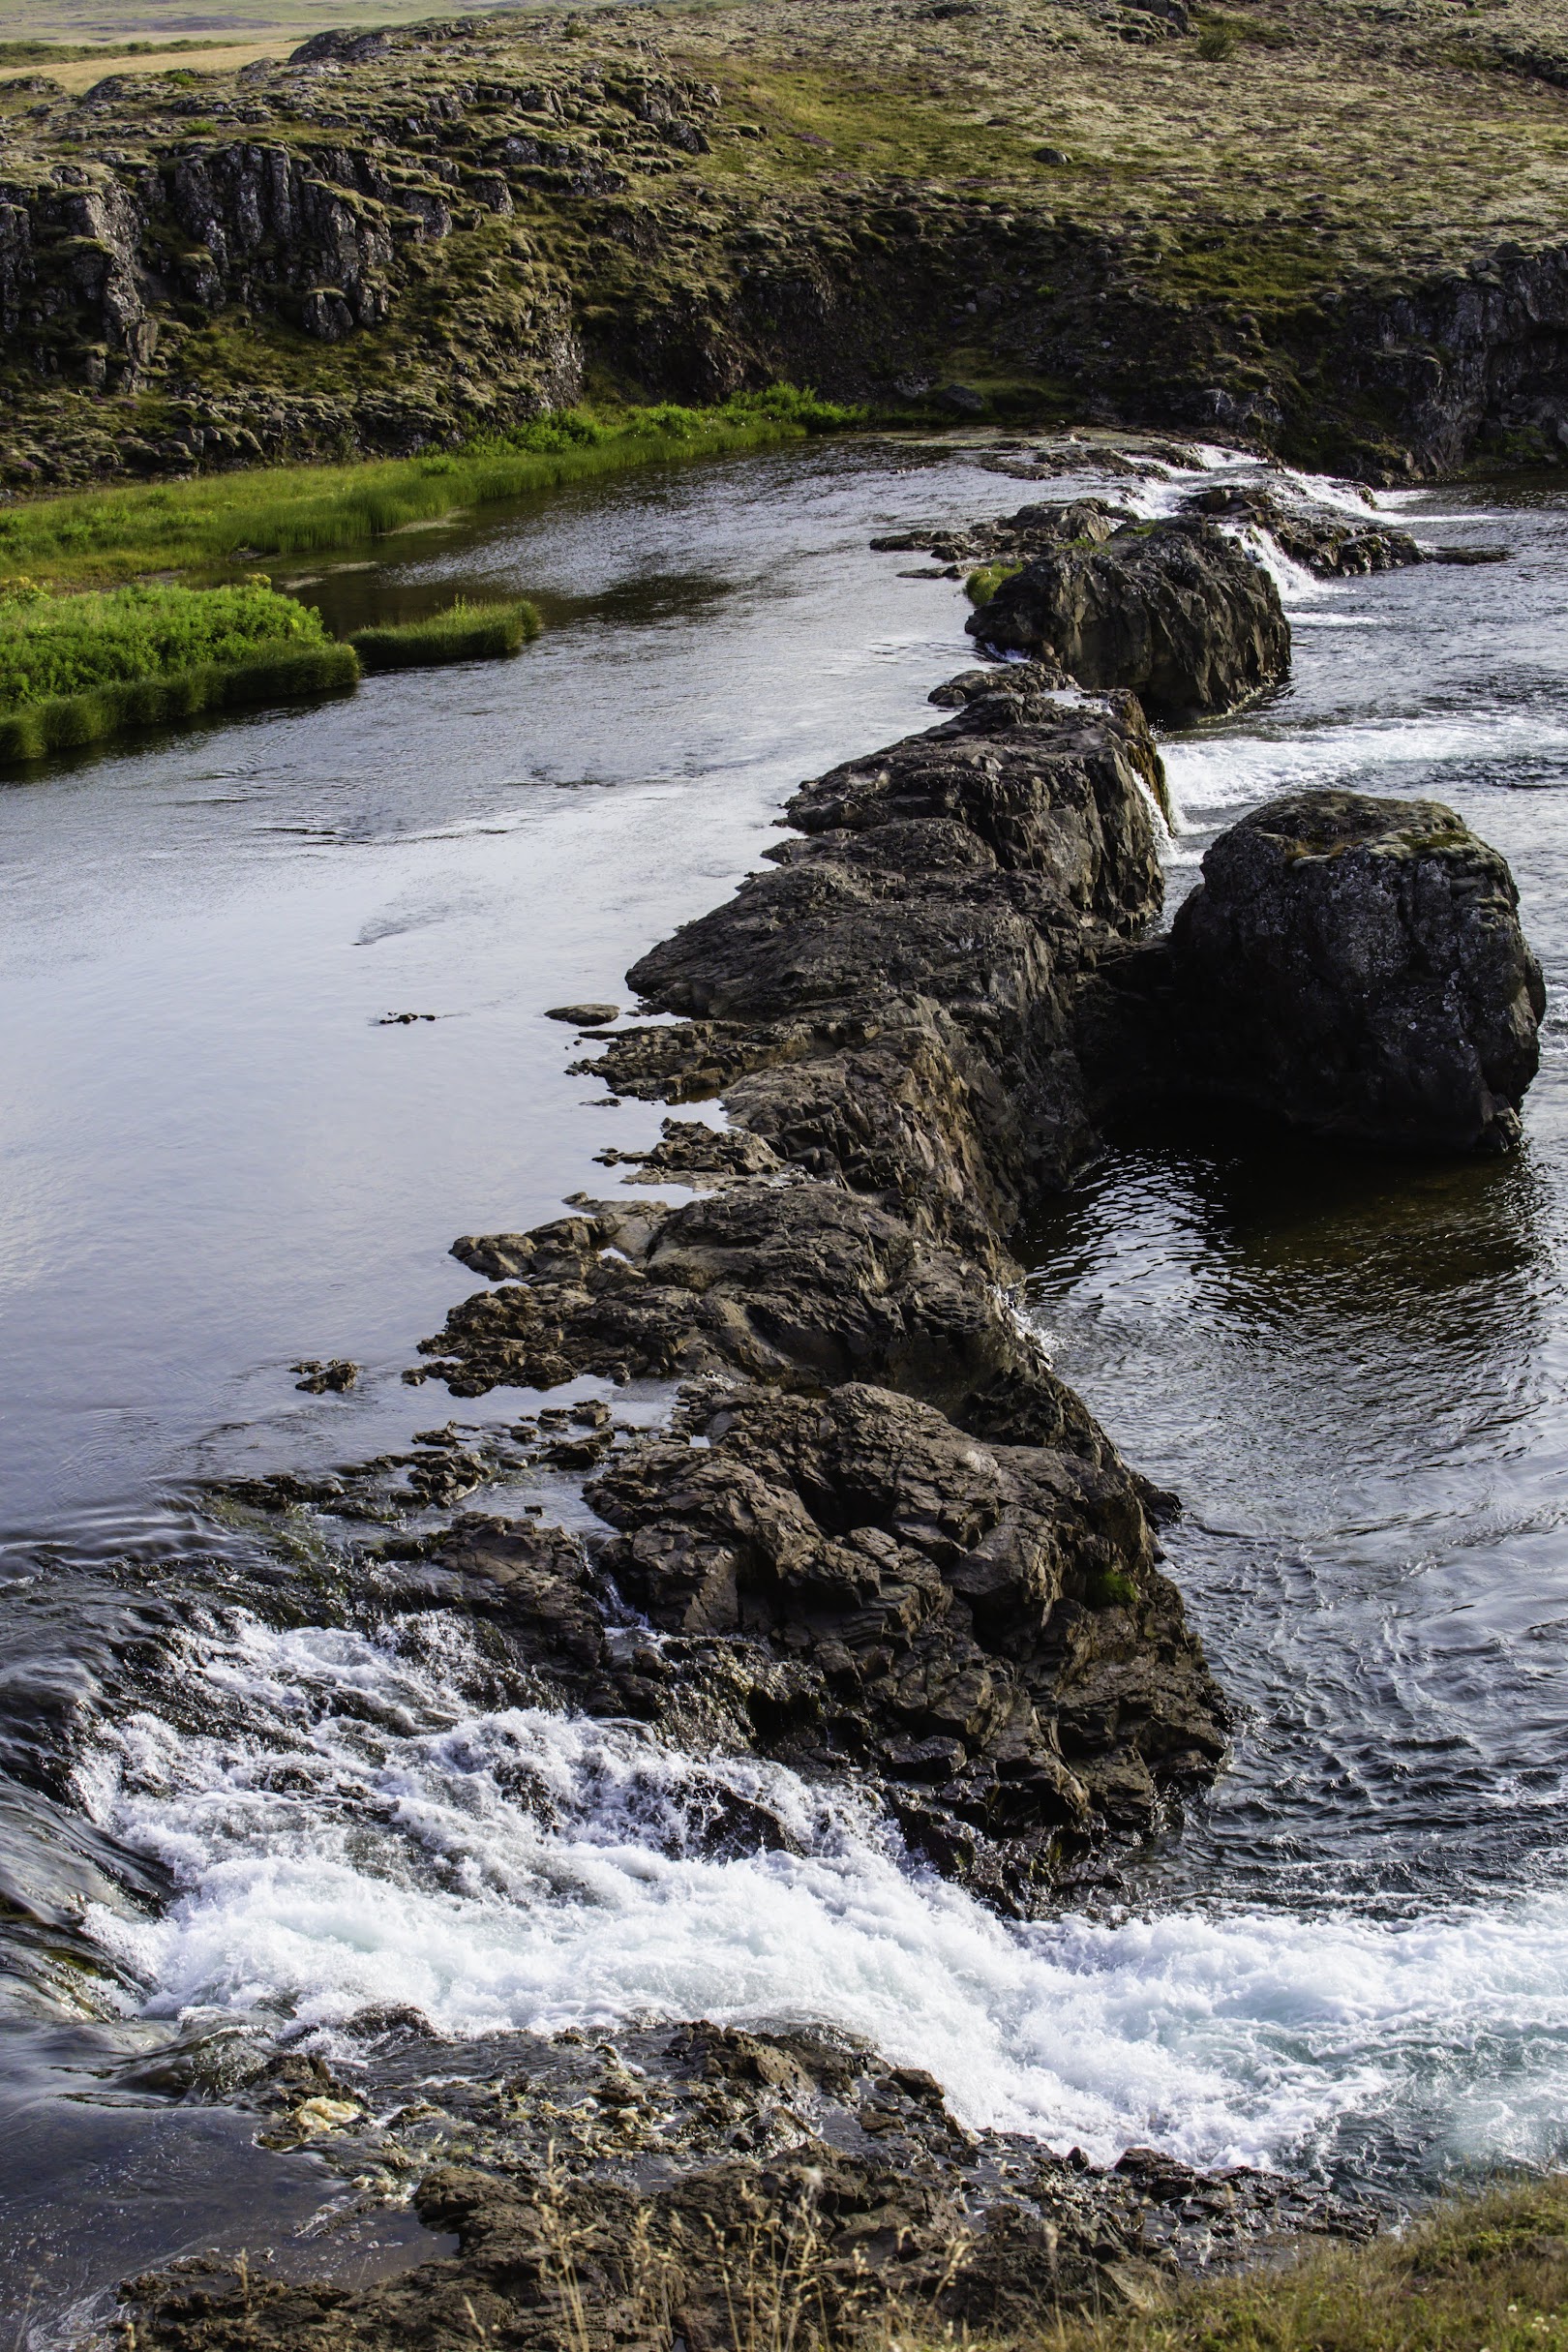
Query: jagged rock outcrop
(936, 1565)
(893, 1006)
(990, 1631)
(802, 1281)
(1175, 610)
(1352, 965)
(704, 2181)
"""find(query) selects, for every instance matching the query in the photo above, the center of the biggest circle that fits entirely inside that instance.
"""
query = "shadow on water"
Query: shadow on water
(1347, 1366)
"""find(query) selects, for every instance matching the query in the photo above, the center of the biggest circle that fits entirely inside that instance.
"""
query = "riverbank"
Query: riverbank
(1489, 2271)
(98, 537)
(1335, 233)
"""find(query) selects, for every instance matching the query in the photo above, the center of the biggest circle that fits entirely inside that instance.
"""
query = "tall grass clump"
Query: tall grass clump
(465, 632)
(80, 670)
(305, 510)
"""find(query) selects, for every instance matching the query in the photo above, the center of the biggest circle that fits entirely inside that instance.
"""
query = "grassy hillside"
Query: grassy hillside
(1332, 224)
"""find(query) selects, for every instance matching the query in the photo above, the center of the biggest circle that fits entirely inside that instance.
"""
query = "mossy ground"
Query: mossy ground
(1048, 201)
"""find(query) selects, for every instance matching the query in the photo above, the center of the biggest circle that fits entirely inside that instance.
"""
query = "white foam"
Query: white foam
(1220, 770)
(513, 1868)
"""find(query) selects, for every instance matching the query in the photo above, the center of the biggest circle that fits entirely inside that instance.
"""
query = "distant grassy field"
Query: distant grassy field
(95, 538)
(77, 22)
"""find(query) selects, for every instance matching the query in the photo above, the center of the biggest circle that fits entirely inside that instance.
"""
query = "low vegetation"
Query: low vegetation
(104, 535)
(81, 670)
(466, 632)
(1487, 2276)
(981, 584)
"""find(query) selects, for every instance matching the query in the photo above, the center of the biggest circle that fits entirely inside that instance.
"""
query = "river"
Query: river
(233, 1797)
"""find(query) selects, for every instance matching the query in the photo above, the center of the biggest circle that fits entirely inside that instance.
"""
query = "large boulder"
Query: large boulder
(1357, 966)
(1176, 611)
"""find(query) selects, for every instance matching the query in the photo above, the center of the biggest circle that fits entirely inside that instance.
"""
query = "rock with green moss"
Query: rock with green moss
(1357, 966)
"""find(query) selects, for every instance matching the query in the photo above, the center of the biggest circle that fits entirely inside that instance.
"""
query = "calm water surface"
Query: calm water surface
(237, 1797)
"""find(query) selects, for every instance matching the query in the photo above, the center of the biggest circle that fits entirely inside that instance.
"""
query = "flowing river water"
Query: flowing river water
(231, 1796)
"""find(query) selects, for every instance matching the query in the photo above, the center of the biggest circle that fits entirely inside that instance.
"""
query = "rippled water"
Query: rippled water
(242, 1790)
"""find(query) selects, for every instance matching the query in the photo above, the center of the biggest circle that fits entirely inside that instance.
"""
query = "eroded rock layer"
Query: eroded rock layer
(879, 1511)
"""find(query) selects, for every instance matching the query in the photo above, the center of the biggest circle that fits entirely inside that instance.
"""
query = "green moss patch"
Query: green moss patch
(981, 584)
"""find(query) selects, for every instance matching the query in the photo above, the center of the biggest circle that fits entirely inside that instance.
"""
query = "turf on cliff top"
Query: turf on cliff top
(1332, 227)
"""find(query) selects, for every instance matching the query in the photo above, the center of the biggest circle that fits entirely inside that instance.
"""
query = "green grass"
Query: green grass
(1488, 2275)
(106, 535)
(981, 585)
(276, 673)
(52, 646)
(80, 670)
(465, 632)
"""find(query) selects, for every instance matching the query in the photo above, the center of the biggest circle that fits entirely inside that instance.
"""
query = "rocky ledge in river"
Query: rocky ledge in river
(881, 1516)
(1176, 611)
(695, 2184)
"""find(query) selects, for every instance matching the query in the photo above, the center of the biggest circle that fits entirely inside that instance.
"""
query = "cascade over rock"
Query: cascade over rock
(1176, 611)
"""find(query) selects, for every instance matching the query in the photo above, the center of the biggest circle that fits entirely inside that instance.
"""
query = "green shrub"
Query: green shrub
(466, 632)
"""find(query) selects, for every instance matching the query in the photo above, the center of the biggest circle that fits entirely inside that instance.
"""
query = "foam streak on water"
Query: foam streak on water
(367, 1839)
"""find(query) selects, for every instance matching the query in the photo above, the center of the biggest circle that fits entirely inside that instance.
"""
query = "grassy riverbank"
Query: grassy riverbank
(1484, 2276)
(102, 536)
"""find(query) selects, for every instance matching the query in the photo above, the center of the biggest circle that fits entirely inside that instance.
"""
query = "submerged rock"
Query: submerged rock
(1176, 611)
(1352, 965)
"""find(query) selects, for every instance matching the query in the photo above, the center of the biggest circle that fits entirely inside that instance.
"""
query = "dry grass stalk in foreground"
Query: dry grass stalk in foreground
(1484, 2276)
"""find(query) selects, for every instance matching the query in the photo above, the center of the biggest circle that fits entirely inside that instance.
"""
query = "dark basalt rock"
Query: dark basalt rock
(1334, 550)
(1175, 610)
(801, 1282)
(977, 1634)
(1352, 965)
(710, 2183)
(987, 1622)
(894, 1006)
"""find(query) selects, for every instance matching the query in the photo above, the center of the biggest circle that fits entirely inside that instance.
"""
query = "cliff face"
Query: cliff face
(397, 239)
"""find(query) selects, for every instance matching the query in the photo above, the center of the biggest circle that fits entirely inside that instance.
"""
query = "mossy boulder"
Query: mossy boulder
(1357, 966)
